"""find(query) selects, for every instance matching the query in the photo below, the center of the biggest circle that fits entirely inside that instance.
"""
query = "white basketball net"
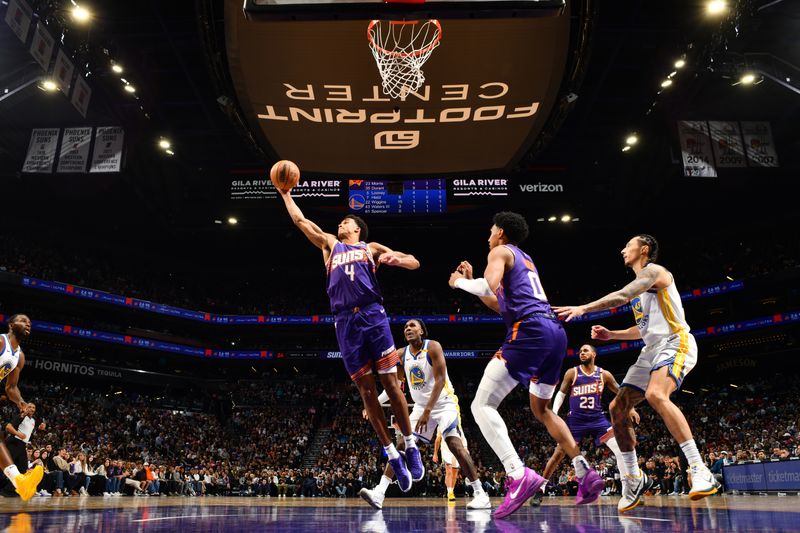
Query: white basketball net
(400, 49)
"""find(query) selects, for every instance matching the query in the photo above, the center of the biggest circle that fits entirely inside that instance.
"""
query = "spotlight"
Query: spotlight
(116, 68)
(715, 7)
(566, 218)
(48, 85)
(233, 221)
(747, 78)
(672, 74)
(666, 83)
(130, 88)
(680, 63)
(163, 143)
(632, 139)
(81, 14)
(551, 219)
(169, 152)
(626, 148)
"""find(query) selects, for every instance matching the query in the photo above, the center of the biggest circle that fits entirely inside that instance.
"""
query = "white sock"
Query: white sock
(391, 452)
(411, 441)
(493, 388)
(449, 491)
(383, 484)
(690, 451)
(631, 463)
(477, 488)
(11, 473)
(581, 466)
(613, 445)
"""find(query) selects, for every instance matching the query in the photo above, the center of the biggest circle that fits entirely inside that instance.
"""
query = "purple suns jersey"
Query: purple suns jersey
(351, 277)
(520, 293)
(585, 394)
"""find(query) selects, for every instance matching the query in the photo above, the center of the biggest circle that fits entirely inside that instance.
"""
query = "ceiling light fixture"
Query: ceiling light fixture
(666, 83)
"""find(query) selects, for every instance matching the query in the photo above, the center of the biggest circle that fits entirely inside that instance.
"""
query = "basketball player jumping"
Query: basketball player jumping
(362, 328)
(12, 360)
(584, 384)
(669, 354)
(531, 355)
(435, 407)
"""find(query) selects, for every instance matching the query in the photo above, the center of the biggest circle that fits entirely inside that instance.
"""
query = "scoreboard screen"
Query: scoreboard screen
(388, 197)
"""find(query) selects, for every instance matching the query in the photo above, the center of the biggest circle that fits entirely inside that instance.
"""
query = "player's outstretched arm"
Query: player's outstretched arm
(320, 239)
(644, 281)
(485, 287)
(387, 256)
(465, 268)
(436, 354)
(602, 334)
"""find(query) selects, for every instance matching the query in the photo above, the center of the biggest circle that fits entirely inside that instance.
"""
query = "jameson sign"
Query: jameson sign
(323, 106)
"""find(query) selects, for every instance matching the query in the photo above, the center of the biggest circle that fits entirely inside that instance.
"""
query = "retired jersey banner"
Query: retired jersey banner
(81, 95)
(41, 151)
(759, 144)
(63, 72)
(726, 139)
(108, 143)
(18, 18)
(696, 152)
(74, 154)
(42, 46)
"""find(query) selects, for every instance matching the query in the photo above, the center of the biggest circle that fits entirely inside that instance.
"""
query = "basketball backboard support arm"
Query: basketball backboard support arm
(378, 9)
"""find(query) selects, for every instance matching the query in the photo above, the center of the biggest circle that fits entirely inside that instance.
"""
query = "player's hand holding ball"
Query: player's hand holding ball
(600, 333)
(284, 175)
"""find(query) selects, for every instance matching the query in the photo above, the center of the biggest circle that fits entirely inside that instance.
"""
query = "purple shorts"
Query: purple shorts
(365, 340)
(534, 350)
(598, 427)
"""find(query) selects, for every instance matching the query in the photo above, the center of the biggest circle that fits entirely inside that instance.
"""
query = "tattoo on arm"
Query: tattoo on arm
(646, 278)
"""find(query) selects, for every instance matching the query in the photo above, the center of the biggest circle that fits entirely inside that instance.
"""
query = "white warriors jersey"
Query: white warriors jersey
(420, 379)
(8, 359)
(659, 314)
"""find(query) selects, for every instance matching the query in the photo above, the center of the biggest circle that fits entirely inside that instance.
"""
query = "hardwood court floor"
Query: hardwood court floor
(402, 515)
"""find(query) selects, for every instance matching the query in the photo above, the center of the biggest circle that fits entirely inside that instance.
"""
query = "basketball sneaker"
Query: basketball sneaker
(703, 482)
(518, 491)
(27, 482)
(414, 462)
(536, 501)
(401, 472)
(633, 488)
(480, 501)
(589, 488)
(372, 497)
(451, 497)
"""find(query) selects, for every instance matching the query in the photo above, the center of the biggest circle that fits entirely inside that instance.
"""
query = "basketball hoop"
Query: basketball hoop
(400, 49)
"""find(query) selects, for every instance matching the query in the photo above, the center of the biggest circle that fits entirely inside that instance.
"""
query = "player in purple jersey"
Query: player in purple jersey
(362, 327)
(531, 355)
(584, 384)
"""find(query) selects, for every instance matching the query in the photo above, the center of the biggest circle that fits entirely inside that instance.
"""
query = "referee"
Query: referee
(19, 432)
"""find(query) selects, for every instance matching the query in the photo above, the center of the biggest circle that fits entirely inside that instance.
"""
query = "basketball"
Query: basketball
(284, 175)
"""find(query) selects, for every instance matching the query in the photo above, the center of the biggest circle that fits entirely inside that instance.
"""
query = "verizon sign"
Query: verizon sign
(311, 93)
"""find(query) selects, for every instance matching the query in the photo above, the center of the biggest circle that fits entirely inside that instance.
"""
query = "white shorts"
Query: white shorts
(678, 352)
(447, 456)
(446, 418)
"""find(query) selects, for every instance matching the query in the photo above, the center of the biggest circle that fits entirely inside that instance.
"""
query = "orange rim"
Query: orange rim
(415, 53)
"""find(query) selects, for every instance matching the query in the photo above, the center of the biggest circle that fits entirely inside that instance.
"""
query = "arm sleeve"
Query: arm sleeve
(478, 287)
(558, 401)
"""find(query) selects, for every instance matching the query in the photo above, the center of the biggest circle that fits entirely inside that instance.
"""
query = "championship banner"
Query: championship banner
(63, 71)
(726, 139)
(81, 95)
(759, 144)
(696, 149)
(107, 156)
(41, 151)
(42, 46)
(18, 18)
(74, 154)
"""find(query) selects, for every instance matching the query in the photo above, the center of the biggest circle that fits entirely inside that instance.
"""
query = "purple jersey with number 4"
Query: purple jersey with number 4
(351, 277)
(520, 293)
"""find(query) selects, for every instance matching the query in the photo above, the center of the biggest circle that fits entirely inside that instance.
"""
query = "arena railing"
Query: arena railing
(148, 344)
(75, 291)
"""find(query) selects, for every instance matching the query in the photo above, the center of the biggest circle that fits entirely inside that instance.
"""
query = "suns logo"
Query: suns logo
(638, 314)
(417, 377)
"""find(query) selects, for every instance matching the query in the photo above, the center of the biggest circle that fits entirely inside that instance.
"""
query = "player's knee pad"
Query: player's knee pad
(542, 390)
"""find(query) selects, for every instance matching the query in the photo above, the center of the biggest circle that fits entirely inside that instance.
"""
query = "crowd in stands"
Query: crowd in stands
(109, 444)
